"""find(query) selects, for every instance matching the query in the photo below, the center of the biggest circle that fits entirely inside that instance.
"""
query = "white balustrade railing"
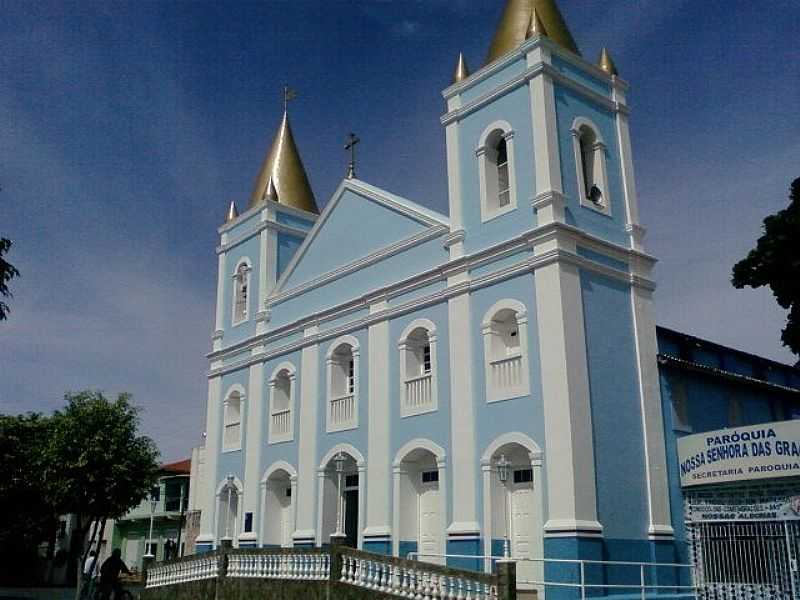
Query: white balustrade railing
(298, 566)
(418, 392)
(183, 571)
(506, 372)
(281, 421)
(342, 410)
(417, 582)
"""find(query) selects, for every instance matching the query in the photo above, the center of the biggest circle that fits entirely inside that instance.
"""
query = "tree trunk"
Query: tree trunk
(84, 551)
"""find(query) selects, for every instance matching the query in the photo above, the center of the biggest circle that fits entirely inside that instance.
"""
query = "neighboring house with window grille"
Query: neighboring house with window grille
(382, 357)
(131, 533)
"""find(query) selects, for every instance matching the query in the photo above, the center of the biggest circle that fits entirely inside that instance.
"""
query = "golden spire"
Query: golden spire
(535, 27)
(606, 63)
(283, 169)
(462, 70)
(513, 26)
(232, 213)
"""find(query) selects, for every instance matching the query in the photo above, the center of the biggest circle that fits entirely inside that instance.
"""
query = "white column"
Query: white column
(635, 230)
(572, 496)
(549, 198)
(378, 433)
(252, 450)
(307, 442)
(267, 267)
(219, 317)
(362, 503)
(644, 324)
(208, 494)
(462, 414)
(453, 142)
(397, 474)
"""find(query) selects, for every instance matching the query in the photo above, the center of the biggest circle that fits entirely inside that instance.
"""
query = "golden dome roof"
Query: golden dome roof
(282, 176)
(513, 27)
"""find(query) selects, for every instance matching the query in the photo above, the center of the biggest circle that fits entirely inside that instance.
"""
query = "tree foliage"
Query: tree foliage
(775, 262)
(7, 273)
(27, 516)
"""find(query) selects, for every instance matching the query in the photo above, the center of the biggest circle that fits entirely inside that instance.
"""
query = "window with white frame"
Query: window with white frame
(418, 378)
(505, 344)
(232, 419)
(342, 363)
(496, 169)
(281, 404)
(590, 161)
(241, 292)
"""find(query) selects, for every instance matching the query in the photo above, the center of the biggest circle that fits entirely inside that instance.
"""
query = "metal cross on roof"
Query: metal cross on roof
(352, 140)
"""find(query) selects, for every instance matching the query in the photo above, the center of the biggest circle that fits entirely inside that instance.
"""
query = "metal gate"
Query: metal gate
(746, 560)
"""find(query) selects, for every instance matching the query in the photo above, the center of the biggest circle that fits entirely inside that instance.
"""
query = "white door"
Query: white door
(523, 523)
(430, 522)
(286, 518)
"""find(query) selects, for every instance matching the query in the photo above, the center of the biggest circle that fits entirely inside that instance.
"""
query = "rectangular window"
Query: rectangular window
(523, 475)
(426, 359)
(248, 522)
(430, 476)
(351, 379)
(351, 481)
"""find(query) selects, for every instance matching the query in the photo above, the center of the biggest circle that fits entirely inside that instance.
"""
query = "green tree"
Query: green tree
(775, 262)
(27, 517)
(98, 466)
(7, 273)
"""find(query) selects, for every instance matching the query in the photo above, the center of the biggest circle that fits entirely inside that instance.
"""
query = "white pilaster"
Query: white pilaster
(219, 317)
(628, 177)
(454, 180)
(644, 324)
(252, 449)
(547, 162)
(213, 437)
(307, 442)
(572, 496)
(378, 441)
(462, 415)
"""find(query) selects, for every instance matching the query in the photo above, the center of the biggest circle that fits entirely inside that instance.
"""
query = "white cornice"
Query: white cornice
(296, 212)
(520, 244)
(279, 227)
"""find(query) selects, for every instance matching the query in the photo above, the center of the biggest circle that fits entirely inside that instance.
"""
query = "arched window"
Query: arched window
(241, 292)
(228, 511)
(342, 363)
(232, 434)
(418, 372)
(504, 329)
(590, 159)
(281, 404)
(496, 168)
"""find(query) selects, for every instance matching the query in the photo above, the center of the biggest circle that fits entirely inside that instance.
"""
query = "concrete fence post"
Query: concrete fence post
(337, 543)
(147, 564)
(506, 580)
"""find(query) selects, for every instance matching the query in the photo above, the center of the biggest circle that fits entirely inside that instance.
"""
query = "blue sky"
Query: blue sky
(125, 129)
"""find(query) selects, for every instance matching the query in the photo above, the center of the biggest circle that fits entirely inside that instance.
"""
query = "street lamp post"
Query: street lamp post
(339, 462)
(503, 467)
(154, 494)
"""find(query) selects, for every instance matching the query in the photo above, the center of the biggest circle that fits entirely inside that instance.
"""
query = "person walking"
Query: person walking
(109, 576)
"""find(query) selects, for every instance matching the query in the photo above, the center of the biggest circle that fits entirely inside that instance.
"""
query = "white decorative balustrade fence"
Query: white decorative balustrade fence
(418, 392)
(417, 580)
(506, 373)
(281, 421)
(342, 410)
(194, 568)
(298, 566)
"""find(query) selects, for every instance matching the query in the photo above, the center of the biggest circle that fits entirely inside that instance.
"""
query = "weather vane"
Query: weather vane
(352, 140)
(288, 95)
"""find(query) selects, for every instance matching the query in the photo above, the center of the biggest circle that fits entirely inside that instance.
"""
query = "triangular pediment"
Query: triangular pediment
(358, 223)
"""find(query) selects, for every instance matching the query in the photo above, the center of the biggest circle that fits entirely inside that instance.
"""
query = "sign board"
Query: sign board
(778, 508)
(762, 451)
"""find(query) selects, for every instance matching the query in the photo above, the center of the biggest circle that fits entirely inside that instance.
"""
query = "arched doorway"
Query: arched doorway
(228, 494)
(278, 491)
(513, 502)
(420, 501)
(341, 495)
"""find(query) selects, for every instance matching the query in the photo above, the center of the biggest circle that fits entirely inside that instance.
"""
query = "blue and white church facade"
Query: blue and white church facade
(373, 383)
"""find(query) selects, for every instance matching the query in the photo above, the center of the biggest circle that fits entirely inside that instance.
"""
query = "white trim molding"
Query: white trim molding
(487, 170)
(341, 409)
(506, 376)
(281, 422)
(419, 391)
(599, 167)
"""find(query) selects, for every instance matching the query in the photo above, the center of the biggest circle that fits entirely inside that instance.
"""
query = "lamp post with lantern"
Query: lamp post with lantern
(339, 463)
(155, 493)
(503, 468)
